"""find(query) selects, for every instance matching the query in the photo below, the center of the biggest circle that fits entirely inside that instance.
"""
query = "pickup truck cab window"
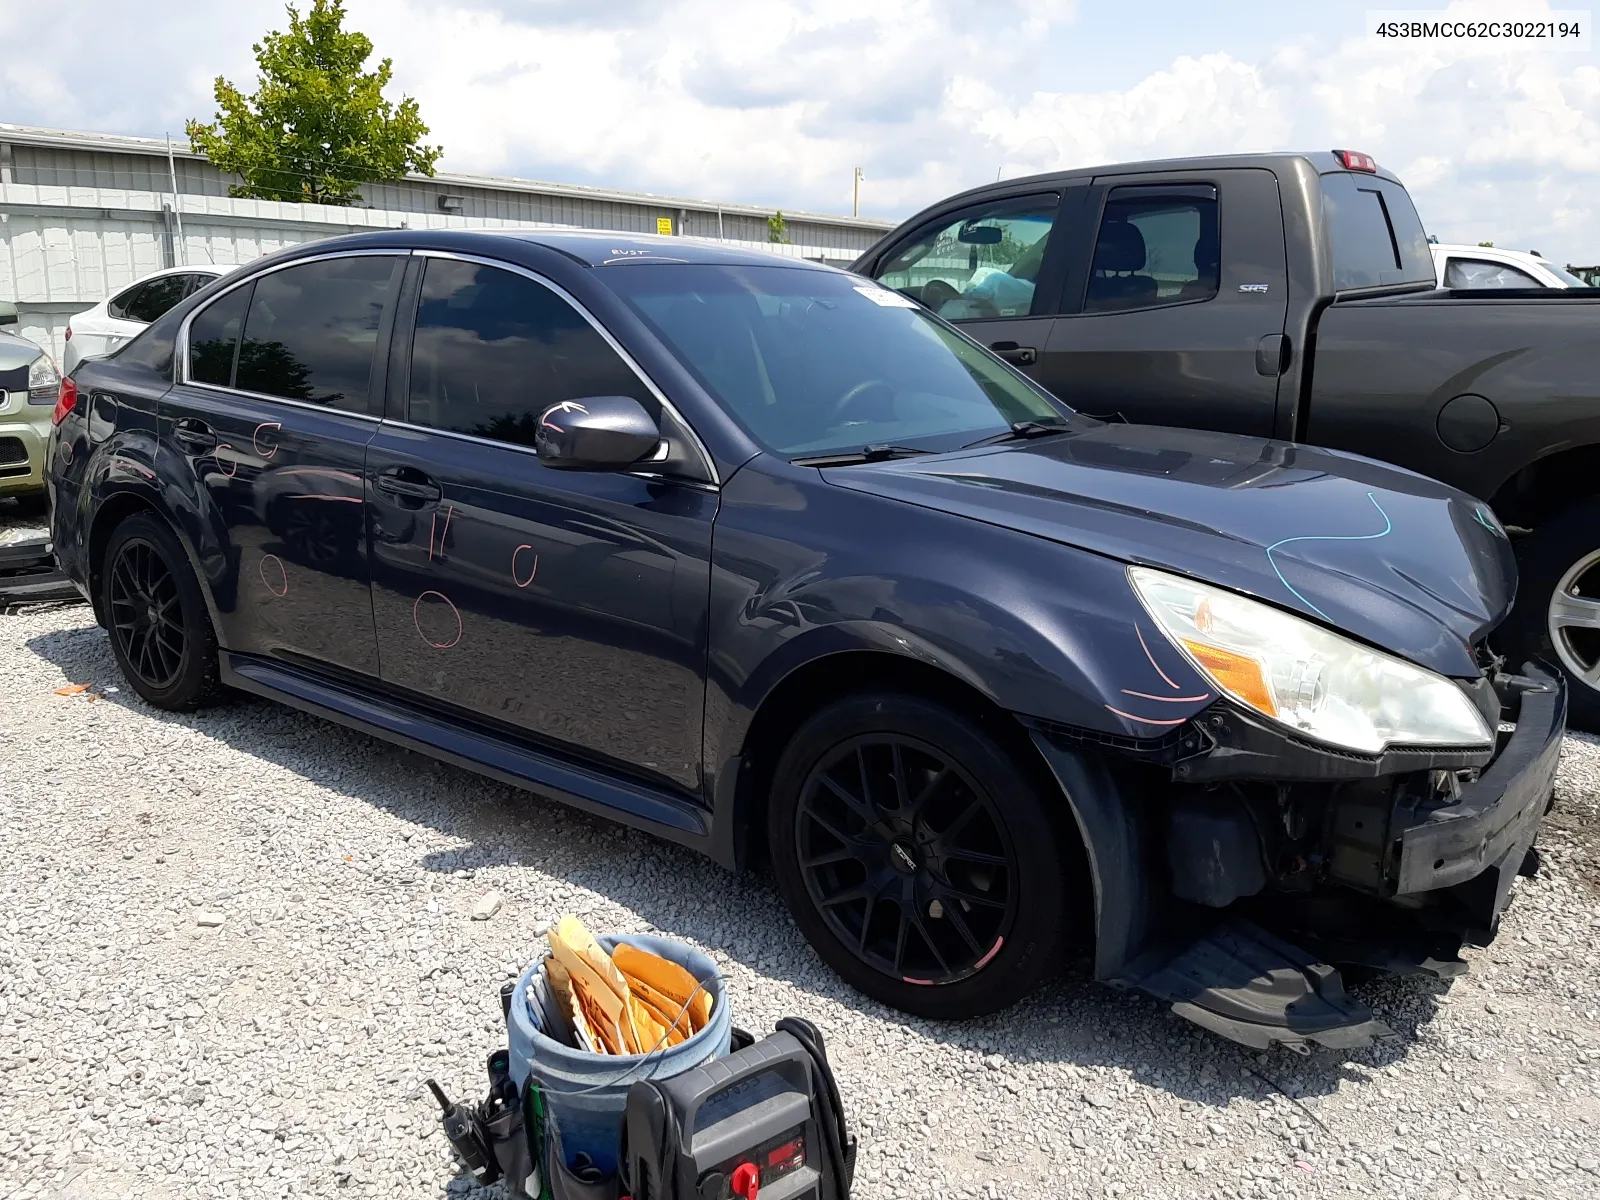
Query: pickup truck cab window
(1477, 273)
(1156, 245)
(1375, 235)
(493, 350)
(980, 264)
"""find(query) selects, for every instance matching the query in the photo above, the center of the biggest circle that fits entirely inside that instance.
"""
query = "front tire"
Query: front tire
(160, 630)
(918, 857)
(1557, 613)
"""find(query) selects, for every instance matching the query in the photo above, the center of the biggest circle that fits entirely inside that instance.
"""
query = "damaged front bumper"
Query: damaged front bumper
(1271, 859)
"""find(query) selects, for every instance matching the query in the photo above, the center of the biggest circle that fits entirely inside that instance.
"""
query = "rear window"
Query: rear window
(1374, 234)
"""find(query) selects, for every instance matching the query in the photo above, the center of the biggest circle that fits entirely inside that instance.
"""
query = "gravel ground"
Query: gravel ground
(146, 1052)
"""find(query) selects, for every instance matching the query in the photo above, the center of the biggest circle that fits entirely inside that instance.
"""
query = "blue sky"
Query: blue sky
(775, 102)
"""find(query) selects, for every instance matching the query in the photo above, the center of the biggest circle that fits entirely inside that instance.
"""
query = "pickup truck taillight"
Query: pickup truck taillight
(1354, 160)
(66, 402)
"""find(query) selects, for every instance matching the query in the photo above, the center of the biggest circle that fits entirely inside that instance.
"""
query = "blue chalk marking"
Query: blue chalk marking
(1388, 525)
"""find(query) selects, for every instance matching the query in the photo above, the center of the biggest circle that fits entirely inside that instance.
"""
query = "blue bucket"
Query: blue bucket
(585, 1094)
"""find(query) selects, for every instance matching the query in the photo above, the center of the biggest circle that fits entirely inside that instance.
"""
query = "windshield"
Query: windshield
(813, 362)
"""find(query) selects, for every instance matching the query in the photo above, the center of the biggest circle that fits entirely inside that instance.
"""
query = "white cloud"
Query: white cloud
(776, 101)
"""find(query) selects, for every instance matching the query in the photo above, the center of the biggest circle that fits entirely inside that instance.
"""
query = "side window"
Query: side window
(1476, 273)
(494, 349)
(155, 297)
(118, 306)
(1156, 245)
(983, 263)
(312, 331)
(1373, 232)
(214, 338)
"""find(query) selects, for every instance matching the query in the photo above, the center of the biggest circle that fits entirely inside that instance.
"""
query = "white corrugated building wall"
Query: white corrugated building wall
(84, 214)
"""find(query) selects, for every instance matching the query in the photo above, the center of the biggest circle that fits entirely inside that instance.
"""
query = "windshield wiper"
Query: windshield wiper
(1021, 431)
(880, 452)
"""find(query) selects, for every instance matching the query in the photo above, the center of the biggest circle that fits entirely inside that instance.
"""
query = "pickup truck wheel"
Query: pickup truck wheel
(1557, 613)
(918, 857)
(161, 633)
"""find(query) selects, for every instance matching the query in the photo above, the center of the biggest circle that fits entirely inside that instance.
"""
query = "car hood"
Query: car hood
(1399, 560)
(16, 352)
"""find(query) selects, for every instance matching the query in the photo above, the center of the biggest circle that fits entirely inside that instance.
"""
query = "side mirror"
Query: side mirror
(596, 433)
(8, 313)
(981, 235)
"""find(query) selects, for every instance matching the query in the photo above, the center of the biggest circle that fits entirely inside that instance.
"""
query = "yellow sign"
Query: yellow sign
(664, 226)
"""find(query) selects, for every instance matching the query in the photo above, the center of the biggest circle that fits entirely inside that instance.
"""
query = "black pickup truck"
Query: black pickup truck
(1293, 296)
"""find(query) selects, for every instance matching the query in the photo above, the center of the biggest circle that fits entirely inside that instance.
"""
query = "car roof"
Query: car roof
(596, 248)
(1462, 247)
(190, 269)
(602, 249)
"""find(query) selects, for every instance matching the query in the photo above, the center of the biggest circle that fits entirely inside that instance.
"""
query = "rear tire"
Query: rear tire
(160, 630)
(917, 856)
(1562, 554)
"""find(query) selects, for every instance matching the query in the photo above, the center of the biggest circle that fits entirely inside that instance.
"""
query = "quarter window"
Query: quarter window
(312, 331)
(214, 338)
(117, 306)
(1155, 246)
(1476, 273)
(984, 263)
(494, 349)
(155, 297)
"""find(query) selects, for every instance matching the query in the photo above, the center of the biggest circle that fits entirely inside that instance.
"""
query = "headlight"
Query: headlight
(1321, 685)
(44, 381)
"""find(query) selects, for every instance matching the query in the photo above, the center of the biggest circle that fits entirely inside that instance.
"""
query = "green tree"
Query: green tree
(777, 228)
(318, 125)
(1489, 245)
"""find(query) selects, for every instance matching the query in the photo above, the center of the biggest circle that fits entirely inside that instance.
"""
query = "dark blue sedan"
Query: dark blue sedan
(765, 559)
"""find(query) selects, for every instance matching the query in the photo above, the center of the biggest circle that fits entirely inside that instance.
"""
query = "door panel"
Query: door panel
(1178, 315)
(568, 604)
(278, 481)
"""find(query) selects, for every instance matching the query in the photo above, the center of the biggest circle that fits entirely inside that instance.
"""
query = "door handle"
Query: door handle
(1019, 356)
(421, 489)
(1272, 355)
(194, 435)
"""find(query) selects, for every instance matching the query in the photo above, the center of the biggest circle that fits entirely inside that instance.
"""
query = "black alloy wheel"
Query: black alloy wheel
(151, 602)
(145, 614)
(923, 854)
(907, 858)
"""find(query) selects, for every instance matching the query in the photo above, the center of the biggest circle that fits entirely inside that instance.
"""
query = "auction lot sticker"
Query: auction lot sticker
(1482, 28)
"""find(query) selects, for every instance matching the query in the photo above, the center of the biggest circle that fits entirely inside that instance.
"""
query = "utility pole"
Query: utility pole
(855, 206)
(177, 211)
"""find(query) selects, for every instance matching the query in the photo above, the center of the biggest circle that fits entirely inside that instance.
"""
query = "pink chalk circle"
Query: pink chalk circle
(229, 468)
(255, 438)
(416, 619)
(266, 578)
(522, 583)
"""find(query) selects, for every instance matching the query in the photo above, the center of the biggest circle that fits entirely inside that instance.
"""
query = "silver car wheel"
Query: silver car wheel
(1574, 619)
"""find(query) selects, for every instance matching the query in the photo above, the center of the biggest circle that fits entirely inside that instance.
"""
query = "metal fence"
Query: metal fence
(83, 215)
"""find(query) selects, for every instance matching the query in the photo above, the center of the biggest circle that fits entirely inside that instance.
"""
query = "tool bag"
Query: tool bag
(656, 1167)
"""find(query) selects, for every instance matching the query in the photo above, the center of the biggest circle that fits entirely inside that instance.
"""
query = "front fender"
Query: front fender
(802, 569)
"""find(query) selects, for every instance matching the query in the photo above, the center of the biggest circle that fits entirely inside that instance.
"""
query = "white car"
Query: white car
(107, 325)
(1489, 267)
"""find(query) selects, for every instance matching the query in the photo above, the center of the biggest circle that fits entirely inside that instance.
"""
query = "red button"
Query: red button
(745, 1181)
